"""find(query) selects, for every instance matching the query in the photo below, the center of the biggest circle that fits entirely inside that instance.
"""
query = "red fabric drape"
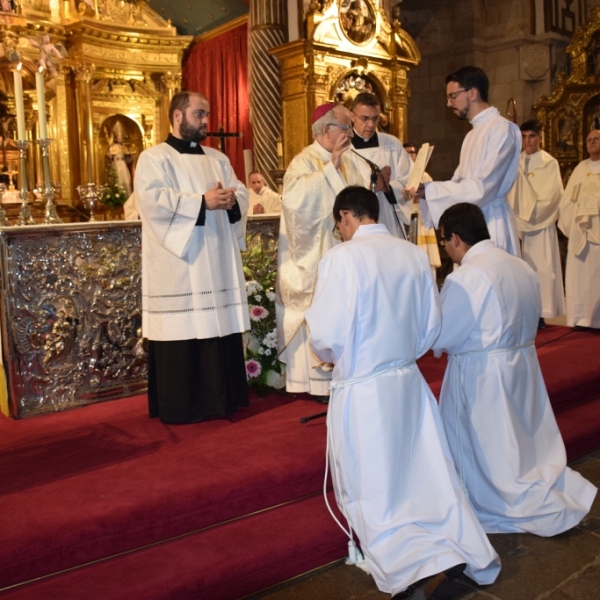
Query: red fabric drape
(218, 68)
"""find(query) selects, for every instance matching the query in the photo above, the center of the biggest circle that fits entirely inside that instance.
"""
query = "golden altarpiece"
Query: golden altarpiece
(573, 109)
(349, 47)
(71, 306)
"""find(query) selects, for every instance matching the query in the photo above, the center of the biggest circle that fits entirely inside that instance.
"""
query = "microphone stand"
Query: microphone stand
(387, 190)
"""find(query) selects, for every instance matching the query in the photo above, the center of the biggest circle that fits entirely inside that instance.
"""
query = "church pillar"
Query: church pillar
(172, 83)
(268, 20)
(83, 74)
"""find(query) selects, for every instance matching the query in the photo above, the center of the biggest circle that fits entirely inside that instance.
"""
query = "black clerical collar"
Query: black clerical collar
(183, 146)
(359, 142)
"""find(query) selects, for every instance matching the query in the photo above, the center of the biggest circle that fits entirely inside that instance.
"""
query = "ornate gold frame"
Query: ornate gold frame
(312, 69)
(574, 106)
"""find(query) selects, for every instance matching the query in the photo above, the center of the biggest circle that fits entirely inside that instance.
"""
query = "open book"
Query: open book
(419, 167)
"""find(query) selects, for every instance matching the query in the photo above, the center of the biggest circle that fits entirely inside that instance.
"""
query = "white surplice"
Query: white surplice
(192, 278)
(489, 161)
(310, 186)
(579, 220)
(504, 438)
(535, 199)
(392, 470)
(390, 153)
(270, 201)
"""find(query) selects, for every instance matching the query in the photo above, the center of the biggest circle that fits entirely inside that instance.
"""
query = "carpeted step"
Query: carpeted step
(580, 428)
(94, 482)
(222, 563)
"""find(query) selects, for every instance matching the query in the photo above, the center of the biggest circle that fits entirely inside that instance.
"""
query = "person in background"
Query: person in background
(262, 199)
(579, 220)
(535, 199)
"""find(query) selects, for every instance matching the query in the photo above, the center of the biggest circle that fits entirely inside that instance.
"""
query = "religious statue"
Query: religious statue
(10, 150)
(7, 6)
(357, 20)
(119, 158)
(50, 53)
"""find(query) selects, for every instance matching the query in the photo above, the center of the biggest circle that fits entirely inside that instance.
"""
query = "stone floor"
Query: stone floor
(565, 567)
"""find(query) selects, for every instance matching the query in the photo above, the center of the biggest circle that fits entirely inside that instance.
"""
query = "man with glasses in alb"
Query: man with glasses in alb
(489, 161)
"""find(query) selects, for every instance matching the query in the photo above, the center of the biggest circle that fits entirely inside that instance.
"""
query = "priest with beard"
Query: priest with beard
(194, 306)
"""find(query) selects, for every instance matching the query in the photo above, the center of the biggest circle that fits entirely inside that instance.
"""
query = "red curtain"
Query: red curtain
(218, 68)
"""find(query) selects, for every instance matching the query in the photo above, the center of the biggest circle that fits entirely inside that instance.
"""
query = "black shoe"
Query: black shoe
(424, 588)
(541, 323)
(580, 328)
(321, 399)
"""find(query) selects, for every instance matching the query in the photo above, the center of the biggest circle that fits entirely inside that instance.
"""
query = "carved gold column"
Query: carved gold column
(83, 74)
(59, 128)
(398, 92)
(172, 83)
(268, 20)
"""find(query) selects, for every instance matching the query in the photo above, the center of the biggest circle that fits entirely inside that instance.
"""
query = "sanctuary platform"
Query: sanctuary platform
(103, 502)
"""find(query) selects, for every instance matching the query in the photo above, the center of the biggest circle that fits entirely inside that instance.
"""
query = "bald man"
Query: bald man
(579, 220)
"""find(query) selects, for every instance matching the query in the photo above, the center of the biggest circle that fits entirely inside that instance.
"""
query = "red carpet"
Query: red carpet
(91, 483)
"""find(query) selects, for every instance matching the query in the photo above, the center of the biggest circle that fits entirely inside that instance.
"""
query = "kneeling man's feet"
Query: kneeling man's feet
(321, 399)
(422, 589)
(541, 323)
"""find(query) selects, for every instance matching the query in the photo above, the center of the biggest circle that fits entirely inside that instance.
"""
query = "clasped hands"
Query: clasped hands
(220, 198)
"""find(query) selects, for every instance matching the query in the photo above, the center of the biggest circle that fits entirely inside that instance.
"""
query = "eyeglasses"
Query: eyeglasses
(594, 139)
(366, 119)
(343, 127)
(335, 232)
(444, 240)
(454, 95)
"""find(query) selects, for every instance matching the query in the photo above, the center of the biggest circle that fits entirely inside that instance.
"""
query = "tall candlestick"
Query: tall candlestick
(19, 103)
(41, 97)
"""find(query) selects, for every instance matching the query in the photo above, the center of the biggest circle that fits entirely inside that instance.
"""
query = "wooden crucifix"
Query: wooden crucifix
(222, 135)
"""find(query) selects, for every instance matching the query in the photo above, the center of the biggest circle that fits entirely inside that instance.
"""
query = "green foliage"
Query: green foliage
(113, 194)
(263, 369)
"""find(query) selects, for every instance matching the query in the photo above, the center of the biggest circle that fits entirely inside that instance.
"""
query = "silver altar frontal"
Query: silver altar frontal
(71, 315)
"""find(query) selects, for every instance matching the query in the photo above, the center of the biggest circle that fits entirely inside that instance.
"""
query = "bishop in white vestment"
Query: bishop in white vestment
(310, 185)
(392, 470)
(489, 160)
(535, 199)
(194, 304)
(579, 220)
(507, 447)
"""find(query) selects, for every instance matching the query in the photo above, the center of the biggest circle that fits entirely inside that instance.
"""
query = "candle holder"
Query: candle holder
(3, 218)
(89, 194)
(50, 216)
(25, 217)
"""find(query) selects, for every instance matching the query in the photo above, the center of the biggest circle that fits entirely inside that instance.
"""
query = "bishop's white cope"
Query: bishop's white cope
(504, 438)
(310, 186)
(392, 470)
(579, 220)
(192, 278)
(489, 160)
(535, 199)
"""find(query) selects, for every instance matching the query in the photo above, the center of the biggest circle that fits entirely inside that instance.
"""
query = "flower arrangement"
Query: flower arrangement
(113, 194)
(263, 369)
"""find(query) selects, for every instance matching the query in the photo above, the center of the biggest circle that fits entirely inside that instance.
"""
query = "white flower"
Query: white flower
(271, 296)
(258, 298)
(252, 287)
(270, 340)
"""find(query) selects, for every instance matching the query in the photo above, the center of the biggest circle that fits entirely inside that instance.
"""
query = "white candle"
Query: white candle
(41, 97)
(19, 103)
(279, 149)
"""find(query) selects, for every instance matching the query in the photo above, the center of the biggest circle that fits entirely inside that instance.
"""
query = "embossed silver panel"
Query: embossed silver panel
(71, 311)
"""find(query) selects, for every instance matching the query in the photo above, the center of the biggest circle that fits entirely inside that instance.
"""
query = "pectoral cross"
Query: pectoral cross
(221, 134)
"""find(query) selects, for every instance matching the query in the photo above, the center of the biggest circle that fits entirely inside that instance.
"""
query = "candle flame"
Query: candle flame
(40, 69)
(19, 66)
